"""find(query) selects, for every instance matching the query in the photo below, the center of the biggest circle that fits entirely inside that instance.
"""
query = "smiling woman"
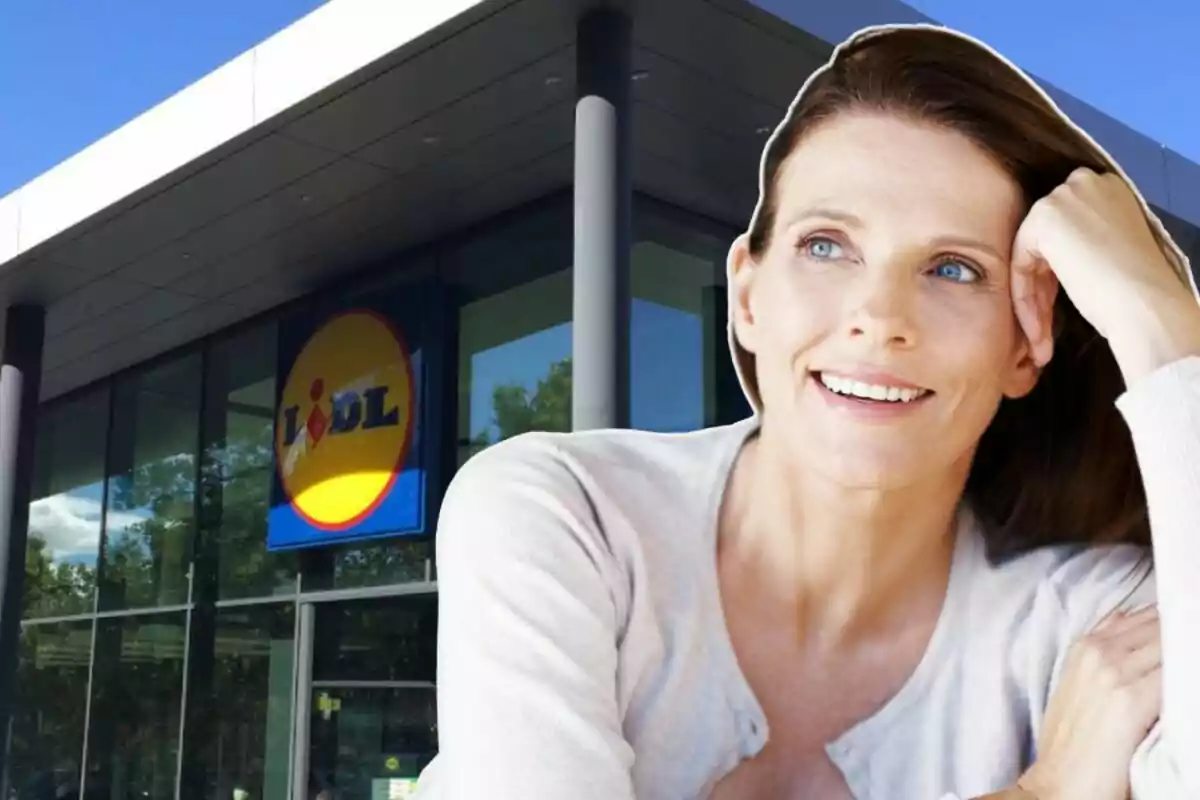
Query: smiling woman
(925, 567)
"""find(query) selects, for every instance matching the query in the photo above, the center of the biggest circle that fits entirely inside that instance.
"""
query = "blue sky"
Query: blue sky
(1136, 60)
(73, 70)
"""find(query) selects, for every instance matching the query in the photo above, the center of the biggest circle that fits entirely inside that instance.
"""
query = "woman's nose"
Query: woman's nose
(882, 311)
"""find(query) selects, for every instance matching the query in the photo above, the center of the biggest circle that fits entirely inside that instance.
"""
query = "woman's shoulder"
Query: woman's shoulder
(1078, 585)
(587, 514)
(1121, 573)
(608, 486)
(608, 461)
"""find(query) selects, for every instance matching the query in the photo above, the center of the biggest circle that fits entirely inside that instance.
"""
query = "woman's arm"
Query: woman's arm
(1163, 413)
(1094, 236)
(527, 636)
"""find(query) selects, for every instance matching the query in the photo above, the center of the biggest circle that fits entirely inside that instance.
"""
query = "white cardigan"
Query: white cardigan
(583, 654)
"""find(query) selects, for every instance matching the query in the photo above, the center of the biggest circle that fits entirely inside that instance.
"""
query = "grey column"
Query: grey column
(603, 200)
(20, 384)
(302, 710)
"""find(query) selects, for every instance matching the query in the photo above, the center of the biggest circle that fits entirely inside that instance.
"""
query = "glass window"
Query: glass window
(133, 741)
(151, 488)
(238, 743)
(514, 335)
(677, 321)
(514, 363)
(379, 562)
(238, 462)
(370, 741)
(48, 718)
(374, 714)
(386, 639)
(68, 499)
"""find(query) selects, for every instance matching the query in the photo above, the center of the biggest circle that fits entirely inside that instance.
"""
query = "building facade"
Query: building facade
(536, 197)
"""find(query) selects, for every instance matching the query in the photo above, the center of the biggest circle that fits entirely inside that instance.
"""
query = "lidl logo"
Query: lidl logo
(345, 420)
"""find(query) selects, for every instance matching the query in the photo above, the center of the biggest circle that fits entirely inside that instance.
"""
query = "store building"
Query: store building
(452, 197)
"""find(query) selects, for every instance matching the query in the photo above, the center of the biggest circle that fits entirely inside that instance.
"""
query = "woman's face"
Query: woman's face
(880, 316)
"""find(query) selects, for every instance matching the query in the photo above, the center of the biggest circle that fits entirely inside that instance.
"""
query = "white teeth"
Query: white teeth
(892, 394)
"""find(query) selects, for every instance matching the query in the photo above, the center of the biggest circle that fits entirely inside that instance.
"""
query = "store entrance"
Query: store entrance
(370, 741)
(372, 724)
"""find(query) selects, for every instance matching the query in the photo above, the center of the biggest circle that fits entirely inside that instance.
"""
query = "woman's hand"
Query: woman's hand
(1091, 236)
(1107, 700)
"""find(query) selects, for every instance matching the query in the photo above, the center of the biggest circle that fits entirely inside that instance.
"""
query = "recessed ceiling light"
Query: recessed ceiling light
(431, 140)
(553, 80)
(640, 74)
(763, 130)
(185, 256)
(304, 198)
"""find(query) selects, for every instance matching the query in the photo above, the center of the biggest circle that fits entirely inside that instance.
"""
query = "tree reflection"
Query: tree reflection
(145, 560)
(47, 724)
(517, 410)
(56, 588)
(235, 501)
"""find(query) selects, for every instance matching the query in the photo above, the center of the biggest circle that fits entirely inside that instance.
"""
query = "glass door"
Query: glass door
(370, 740)
(371, 723)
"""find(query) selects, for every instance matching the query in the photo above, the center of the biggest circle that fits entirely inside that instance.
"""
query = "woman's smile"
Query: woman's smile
(871, 394)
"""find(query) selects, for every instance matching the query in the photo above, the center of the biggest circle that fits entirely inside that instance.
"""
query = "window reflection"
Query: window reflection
(677, 330)
(378, 562)
(246, 717)
(383, 562)
(64, 517)
(374, 713)
(133, 743)
(370, 741)
(388, 639)
(238, 464)
(48, 718)
(515, 363)
(151, 489)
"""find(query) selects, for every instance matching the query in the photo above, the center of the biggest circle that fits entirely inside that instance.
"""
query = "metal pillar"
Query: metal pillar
(20, 384)
(306, 616)
(603, 200)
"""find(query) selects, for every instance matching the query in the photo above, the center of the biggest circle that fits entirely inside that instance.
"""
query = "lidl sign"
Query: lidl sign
(345, 423)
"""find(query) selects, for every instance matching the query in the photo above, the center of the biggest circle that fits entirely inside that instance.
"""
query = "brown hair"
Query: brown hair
(1057, 465)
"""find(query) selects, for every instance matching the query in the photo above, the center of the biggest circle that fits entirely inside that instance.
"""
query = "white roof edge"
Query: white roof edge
(253, 87)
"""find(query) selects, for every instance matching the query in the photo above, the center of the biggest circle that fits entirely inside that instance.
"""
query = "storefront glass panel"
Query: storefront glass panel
(66, 512)
(373, 724)
(239, 421)
(239, 743)
(137, 685)
(152, 486)
(50, 710)
(677, 277)
(370, 741)
(514, 329)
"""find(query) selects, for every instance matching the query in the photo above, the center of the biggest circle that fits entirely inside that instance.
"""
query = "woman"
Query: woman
(920, 570)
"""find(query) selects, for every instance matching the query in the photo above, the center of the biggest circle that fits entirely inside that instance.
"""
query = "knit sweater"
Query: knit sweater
(583, 652)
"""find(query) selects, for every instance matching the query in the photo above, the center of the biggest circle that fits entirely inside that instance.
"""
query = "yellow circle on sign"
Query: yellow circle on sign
(392, 763)
(345, 420)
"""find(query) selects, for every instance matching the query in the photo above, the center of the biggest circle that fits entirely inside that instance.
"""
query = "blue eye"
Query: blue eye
(956, 271)
(823, 248)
